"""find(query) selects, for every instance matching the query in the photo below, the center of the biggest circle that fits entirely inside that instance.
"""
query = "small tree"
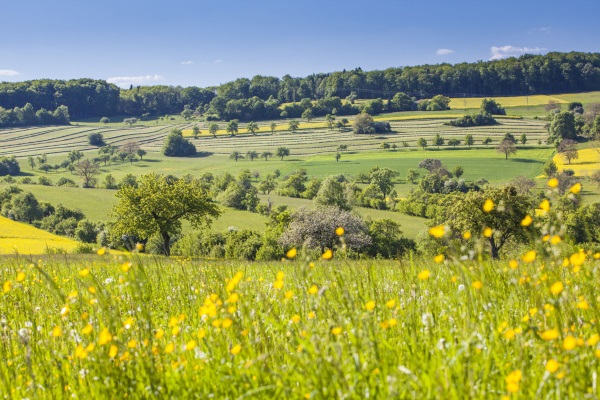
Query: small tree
(422, 143)
(308, 115)
(251, 155)
(330, 119)
(273, 126)
(458, 171)
(130, 147)
(232, 127)
(87, 170)
(104, 120)
(506, 147)
(213, 129)
(266, 155)
(293, 125)
(141, 153)
(384, 145)
(333, 193)
(412, 175)
(282, 152)
(31, 162)
(469, 141)
(252, 127)
(195, 131)
(438, 140)
(523, 138)
(487, 140)
(130, 121)
(187, 113)
(568, 149)
(235, 155)
(453, 142)
(337, 157)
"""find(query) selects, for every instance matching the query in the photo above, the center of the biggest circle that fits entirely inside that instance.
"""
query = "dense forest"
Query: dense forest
(260, 96)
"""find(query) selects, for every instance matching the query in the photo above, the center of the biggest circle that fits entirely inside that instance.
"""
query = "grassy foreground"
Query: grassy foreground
(133, 327)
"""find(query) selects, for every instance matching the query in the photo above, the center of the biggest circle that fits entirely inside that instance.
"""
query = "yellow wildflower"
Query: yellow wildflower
(477, 285)
(557, 288)
(488, 232)
(526, 221)
(327, 255)
(569, 343)
(553, 182)
(339, 231)
(105, 337)
(291, 253)
(529, 256)
(488, 205)
(424, 275)
(467, 235)
(20, 276)
(576, 188)
(336, 331)
(552, 366)
(439, 258)
(56, 331)
(313, 289)
(236, 349)
(437, 231)
(390, 303)
(550, 334)
(370, 305)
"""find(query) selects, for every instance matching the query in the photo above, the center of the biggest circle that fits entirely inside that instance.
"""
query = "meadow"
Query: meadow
(129, 326)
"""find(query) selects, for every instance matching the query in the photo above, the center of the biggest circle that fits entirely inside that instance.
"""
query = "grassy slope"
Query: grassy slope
(17, 237)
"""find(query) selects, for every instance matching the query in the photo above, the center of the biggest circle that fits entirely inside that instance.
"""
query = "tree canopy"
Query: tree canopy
(158, 205)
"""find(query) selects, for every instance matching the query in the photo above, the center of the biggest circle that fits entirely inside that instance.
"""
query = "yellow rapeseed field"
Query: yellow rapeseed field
(17, 237)
(587, 162)
(514, 101)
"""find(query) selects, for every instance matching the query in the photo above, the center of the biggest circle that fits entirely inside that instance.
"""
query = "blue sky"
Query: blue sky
(205, 43)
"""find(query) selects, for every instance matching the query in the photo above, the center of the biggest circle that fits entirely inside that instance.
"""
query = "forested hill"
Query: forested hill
(528, 74)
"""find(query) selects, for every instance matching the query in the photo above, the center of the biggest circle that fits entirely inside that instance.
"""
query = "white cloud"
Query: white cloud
(512, 51)
(8, 72)
(188, 62)
(217, 61)
(133, 80)
(444, 52)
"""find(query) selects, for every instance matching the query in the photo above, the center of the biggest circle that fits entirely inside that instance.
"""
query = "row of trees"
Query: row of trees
(260, 96)
(28, 116)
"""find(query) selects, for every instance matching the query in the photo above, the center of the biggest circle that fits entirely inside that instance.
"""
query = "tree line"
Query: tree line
(529, 74)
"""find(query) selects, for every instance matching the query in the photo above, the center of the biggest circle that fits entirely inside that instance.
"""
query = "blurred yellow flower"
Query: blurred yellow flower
(467, 235)
(278, 284)
(169, 348)
(191, 345)
(526, 221)
(370, 305)
(555, 239)
(549, 334)
(159, 333)
(313, 289)
(583, 305)
(593, 340)
(512, 381)
(439, 258)
(87, 329)
(513, 264)
(227, 322)
(336, 331)
(7, 286)
(487, 232)
(390, 303)
(236, 349)
(488, 205)
(552, 366)
(553, 182)
(20, 276)
(84, 272)
(56, 331)
(529, 256)
(577, 259)
(126, 266)
(291, 253)
(545, 205)
(557, 288)
(296, 318)
(424, 275)
(437, 231)
(339, 231)
(113, 351)
(477, 285)
(569, 343)
(102, 251)
(105, 337)
(576, 188)
(289, 294)
(327, 255)
(132, 344)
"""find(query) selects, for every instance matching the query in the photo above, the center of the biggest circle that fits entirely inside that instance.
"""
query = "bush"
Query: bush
(44, 181)
(473, 120)
(176, 145)
(66, 182)
(96, 139)
(9, 166)
(84, 248)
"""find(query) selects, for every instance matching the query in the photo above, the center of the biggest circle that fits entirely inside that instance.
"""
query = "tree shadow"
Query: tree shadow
(525, 160)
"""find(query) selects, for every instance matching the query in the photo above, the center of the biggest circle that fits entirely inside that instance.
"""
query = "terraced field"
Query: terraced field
(22, 142)
(323, 140)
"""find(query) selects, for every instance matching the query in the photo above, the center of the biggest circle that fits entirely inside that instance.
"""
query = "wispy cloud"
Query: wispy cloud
(546, 30)
(134, 80)
(444, 52)
(188, 62)
(512, 51)
(217, 61)
(8, 72)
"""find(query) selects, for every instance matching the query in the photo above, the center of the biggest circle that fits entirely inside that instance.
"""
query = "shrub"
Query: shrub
(176, 145)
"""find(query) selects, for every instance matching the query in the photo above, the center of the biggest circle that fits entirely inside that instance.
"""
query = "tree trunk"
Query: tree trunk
(166, 243)
(494, 249)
